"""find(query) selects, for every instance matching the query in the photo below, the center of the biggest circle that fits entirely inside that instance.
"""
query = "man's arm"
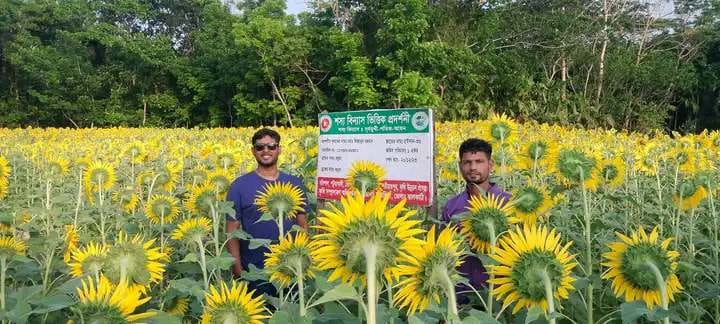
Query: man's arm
(301, 220)
(233, 246)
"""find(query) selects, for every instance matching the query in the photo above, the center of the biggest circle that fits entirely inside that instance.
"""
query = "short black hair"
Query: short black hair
(266, 132)
(474, 145)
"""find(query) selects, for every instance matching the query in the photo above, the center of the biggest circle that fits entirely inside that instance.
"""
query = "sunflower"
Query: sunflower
(4, 168)
(164, 206)
(4, 185)
(199, 175)
(361, 227)
(71, 241)
(646, 159)
(365, 176)
(234, 304)
(528, 259)
(135, 152)
(127, 198)
(488, 216)
(221, 180)
(227, 159)
(630, 265)
(178, 307)
(192, 230)
(612, 172)
(99, 175)
(57, 166)
(280, 198)
(290, 258)
(536, 154)
(533, 202)
(429, 271)
(101, 301)
(137, 261)
(501, 128)
(690, 193)
(10, 246)
(573, 166)
(165, 178)
(201, 198)
(87, 260)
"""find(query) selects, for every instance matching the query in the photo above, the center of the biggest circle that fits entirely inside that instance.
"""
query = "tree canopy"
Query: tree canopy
(626, 64)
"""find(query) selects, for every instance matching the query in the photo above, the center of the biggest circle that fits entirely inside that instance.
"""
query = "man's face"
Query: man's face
(266, 151)
(475, 167)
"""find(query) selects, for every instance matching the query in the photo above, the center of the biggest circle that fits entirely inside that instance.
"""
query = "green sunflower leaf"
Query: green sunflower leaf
(631, 312)
(341, 292)
(477, 317)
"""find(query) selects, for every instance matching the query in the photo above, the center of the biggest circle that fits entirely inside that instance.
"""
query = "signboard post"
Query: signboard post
(399, 140)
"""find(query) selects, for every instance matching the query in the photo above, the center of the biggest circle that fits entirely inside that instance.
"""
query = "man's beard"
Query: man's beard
(267, 165)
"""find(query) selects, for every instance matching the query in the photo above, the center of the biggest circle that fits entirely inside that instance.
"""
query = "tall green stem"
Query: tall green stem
(3, 270)
(371, 251)
(493, 242)
(716, 248)
(549, 296)
(662, 285)
(450, 293)
(203, 263)
(103, 235)
(301, 285)
(588, 248)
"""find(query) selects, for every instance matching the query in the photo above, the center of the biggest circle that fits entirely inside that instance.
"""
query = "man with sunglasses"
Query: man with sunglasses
(266, 149)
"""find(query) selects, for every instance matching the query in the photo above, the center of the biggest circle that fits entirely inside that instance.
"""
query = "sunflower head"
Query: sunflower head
(290, 258)
(488, 216)
(233, 304)
(135, 152)
(629, 267)
(575, 167)
(101, 301)
(358, 226)
(501, 128)
(57, 167)
(4, 168)
(191, 230)
(201, 198)
(280, 198)
(135, 260)
(199, 175)
(427, 268)
(536, 153)
(526, 257)
(10, 246)
(71, 242)
(99, 174)
(533, 202)
(87, 260)
(365, 176)
(612, 172)
(179, 306)
(221, 180)
(163, 208)
(127, 198)
(690, 193)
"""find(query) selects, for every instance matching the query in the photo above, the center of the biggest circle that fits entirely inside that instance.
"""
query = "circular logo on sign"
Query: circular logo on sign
(325, 123)
(420, 120)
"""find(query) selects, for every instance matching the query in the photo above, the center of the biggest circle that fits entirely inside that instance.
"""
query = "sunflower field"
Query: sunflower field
(127, 225)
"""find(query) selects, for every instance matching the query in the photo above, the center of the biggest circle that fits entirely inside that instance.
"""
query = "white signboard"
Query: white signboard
(399, 140)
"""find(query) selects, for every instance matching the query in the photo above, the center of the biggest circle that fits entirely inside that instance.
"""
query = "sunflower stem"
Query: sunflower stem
(79, 198)
(48, 267)
(216, 227)
(3, 270)
(716, 248)
(491, 286)
(690, 233)
(450, 292)
(549, 297)
(301, 285)
(203, 264)
(588, 248)
(662, 285)
(371, 251)
(102, 212)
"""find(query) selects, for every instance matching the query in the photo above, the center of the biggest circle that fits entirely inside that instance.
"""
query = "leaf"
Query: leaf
(581, 283)
(188, 287)
(190, 257)
(340, 292)
(631, 312)
(533, 314)
(221, 262)
(658, 314)
(256, 243)
(240, 234)
(285, 317)
(19, 313)
(69, 287)
(253, 273)
(52, 303)
(163, 318)
(477, 317)
(265, 217)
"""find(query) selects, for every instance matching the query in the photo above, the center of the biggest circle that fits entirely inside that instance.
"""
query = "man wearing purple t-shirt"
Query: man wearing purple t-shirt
(242, 192)
(475, 166)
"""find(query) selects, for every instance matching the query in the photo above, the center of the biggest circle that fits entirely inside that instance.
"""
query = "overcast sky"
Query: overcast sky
(296, 6)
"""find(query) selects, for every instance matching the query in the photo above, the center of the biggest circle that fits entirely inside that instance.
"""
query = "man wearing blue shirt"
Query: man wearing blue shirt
(266, 149)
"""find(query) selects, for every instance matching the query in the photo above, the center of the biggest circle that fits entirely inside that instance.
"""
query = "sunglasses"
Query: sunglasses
(271, 147)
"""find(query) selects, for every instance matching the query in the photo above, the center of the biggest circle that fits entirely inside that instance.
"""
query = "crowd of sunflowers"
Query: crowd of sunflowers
(127, 225)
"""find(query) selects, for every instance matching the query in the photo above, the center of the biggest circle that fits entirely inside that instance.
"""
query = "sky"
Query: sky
(296, 6)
